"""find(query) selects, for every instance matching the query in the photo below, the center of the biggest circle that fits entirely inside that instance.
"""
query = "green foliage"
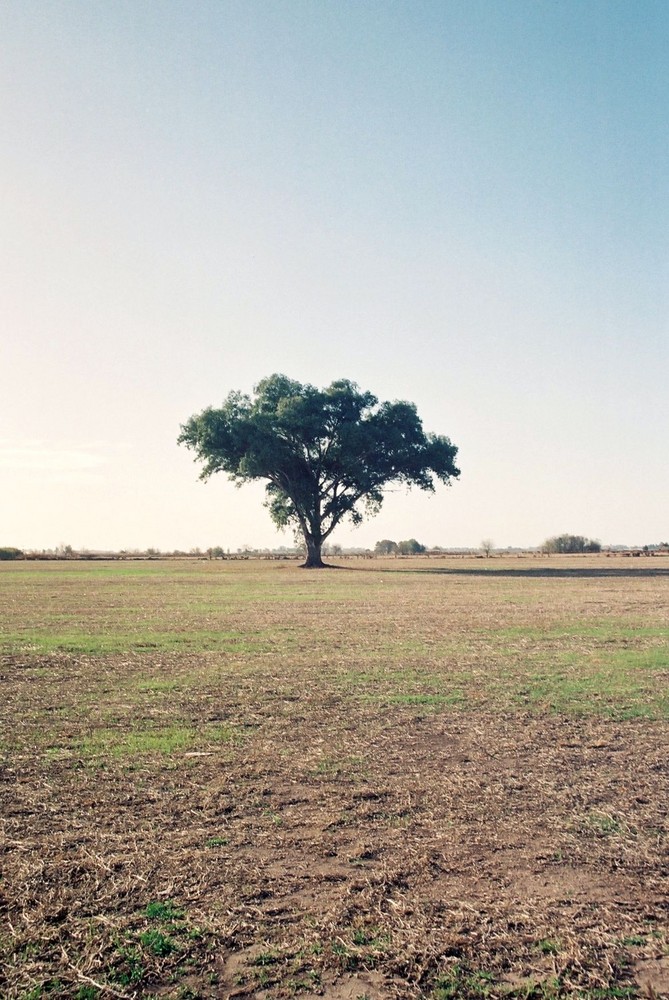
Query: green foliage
(163, 911)
(547, 946)
(73, 639)
(265, 958)
(386, 547)
(461, 982)
(326, 455)
(157, 942)
(8, 553)
(151, 740)
(410, 547)
(570, 545)
(130, 969)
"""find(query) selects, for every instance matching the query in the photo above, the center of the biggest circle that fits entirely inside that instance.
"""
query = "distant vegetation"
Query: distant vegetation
(488, 547)
(562, 544)
(570, 544)
(409, 547)
(10, 553)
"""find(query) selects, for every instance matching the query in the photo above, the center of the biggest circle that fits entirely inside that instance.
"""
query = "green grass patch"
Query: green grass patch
(462, 982)
(427, 700)
(163, 911)
(157, 685)
(166, 740)
(158, 943)
(618, 683)
(104, 643)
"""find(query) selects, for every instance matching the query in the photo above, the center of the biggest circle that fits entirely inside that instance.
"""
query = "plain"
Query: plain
(405, 778)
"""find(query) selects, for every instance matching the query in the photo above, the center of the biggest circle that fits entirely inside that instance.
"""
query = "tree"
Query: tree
(570, 544)
(487, 545)
(326, 454)
(410, 547)
(216, 552)
(386, 547)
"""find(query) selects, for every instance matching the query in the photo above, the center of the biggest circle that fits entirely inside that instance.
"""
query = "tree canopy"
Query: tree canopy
(410, 547)
(326, 454)
(385, 547)
(570, 544)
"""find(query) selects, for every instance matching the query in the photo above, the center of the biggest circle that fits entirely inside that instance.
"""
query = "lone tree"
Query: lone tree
(488, 546)
(325, 453)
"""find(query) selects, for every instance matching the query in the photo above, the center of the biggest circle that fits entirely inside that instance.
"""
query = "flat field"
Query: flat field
(413, 778)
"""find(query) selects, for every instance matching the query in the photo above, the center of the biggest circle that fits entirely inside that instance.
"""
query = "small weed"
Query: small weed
(634, 940)
(163, 911)
(346, 959)
(427, 700)
(158, 943)
(548, 947)
(217, 842)
(265, 958)
(610, 993)
(131, 970)
(328, 766)
(546, 989)
(369, 937)
(307, 984)
(38, 992)
(272, 816)
(460, 982)
(604, 825)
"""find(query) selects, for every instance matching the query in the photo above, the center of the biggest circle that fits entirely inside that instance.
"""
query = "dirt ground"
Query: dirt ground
(325, 841)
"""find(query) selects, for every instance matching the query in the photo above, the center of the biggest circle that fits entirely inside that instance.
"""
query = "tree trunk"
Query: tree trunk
(313, 560)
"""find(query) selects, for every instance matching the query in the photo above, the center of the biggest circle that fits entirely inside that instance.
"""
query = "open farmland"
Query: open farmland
(420, 778)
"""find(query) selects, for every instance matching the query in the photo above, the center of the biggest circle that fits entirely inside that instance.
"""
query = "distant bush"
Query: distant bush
(570, 545)
(385, 547)
(10, 553)
(410, 547)
(216, 552)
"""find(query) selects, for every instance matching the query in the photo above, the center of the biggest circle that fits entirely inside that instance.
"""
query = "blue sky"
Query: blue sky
(464, 204)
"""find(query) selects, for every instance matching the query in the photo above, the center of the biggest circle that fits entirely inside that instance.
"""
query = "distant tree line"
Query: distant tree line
(409, 547)
(10, 553)
(570, 545)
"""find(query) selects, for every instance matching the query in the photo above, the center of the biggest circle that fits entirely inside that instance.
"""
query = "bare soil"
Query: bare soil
(335, 844)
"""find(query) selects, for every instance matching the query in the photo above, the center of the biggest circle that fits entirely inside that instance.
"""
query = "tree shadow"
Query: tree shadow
(528, 572)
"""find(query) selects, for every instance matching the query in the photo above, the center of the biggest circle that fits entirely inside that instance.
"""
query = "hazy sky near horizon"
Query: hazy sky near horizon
(462, 203)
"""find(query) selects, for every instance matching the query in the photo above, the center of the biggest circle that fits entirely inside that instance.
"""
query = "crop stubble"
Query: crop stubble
(402, 779)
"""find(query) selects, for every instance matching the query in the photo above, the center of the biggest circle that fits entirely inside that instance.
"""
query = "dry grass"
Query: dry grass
(404, 779)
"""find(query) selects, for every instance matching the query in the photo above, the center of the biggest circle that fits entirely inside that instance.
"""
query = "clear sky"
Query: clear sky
(463, 203)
